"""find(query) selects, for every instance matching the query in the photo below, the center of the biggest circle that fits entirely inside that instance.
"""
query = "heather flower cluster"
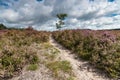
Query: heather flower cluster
(107, 36)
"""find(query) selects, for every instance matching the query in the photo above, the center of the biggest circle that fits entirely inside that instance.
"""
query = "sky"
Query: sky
(41, 14)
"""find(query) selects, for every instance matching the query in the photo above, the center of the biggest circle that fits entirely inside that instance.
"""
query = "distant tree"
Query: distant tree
(61, 17)
(2, 26)
(29, 28)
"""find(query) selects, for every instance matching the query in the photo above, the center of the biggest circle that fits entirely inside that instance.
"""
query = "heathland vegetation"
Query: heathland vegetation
(16, 51)
(29, 49)
(100, 48)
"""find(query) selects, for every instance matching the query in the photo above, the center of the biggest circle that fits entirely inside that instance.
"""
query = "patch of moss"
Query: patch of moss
(32, 67)
(58, 66)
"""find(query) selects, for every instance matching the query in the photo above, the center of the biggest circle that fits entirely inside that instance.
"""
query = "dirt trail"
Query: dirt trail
(81, 69)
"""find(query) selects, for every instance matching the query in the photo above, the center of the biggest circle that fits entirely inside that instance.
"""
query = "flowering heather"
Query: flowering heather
(101, 48)
(108, 36)
(16, 50)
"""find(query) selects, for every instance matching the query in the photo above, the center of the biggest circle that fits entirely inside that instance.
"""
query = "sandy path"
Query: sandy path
(81, 69)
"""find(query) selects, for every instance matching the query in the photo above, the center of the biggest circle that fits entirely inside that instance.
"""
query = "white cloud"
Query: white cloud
(10, 15)
(42, 15)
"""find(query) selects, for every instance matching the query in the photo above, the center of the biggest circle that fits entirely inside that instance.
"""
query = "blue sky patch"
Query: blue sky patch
(111, 0)
(91, 0)
(16, 0)
(39, 0)
(4, 4)
(112, 15)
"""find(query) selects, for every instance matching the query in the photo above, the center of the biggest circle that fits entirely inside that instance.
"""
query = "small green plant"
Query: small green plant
(58, 66)
(32, 67)
(34, 59)
(70, 78)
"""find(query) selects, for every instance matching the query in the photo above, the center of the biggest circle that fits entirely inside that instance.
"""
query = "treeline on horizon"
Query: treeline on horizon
(3, 27)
